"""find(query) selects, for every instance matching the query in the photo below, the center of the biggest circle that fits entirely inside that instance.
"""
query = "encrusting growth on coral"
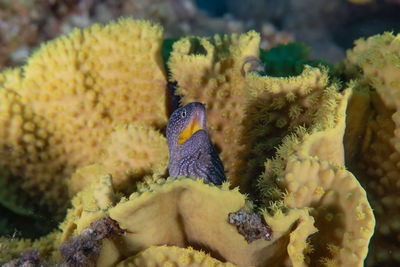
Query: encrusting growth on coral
(251, 225)
(84, 249)
(29, 257)
(89, 205)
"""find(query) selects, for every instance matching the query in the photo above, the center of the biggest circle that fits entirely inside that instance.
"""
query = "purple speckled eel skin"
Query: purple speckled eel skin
(190, 149)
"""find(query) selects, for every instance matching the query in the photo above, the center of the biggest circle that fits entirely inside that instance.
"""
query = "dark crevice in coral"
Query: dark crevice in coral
(181, 225)
(196, 48)
(172, 100)
(366, 169)
(330, 236)
(195, 245)
(261, 138)
(129, 186)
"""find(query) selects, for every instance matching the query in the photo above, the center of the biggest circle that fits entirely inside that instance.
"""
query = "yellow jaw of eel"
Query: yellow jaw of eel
(194, 125)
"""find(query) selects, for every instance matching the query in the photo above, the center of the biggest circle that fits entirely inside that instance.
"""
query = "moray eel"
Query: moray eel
(190, 149)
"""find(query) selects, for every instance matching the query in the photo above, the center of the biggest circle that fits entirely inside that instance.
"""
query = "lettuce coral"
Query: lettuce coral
(280, 139)
(309, 170)
(189, 213)
(56, 111)
(374, 63)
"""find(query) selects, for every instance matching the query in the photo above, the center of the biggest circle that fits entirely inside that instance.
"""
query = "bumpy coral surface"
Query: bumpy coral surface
(58, 110)
(89, 205)
(173, 256)
(129, 153)
(376, 63)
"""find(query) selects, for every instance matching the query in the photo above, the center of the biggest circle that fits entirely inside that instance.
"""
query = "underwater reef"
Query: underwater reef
(27, 23)
(83, 148)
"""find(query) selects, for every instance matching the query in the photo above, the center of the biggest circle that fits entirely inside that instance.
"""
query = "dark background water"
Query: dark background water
(329, 27)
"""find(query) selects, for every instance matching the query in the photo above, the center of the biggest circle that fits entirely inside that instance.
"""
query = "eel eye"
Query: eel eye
(183, 113)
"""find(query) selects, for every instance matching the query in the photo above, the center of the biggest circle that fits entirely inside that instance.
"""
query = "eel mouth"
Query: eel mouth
(195, 124)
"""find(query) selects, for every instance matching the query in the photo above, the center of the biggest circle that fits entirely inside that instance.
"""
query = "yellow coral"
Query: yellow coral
(341, 209)
(304, 116)
(172, 256)
(378, 58)
(247, 114)
(309, 169)
(89, 205)
(375, 61)
(189, 213)
(56, 112)
(298, 238)
(129, 153)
